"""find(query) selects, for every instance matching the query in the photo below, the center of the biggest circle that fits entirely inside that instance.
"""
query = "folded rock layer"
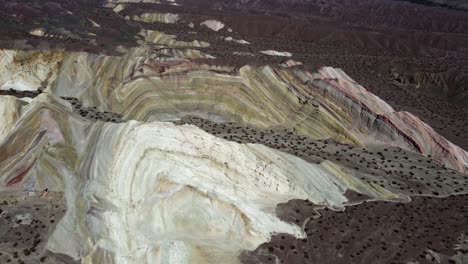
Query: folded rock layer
(191, 184)
(208, 199)
(325, 104)
(178, 131)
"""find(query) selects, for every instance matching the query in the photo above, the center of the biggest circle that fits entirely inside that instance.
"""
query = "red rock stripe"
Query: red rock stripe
(20, 176)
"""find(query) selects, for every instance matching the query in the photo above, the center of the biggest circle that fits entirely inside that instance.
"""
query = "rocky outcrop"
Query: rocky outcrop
(325, 104)
(209, 199)
(388, 126)
(10, 111)
(29, 70)
(166, 41)
(276, 53)
(128, 137)
(168, 18)
(214, 25)
(198, 189)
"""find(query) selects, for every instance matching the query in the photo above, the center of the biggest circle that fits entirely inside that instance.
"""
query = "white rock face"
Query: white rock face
(162, 38)
(168, 18)
(94, 23)
(119, 8)
(291, 63)
(28, 70)
(161, 193)
(37, 32)
(240, 41)
(213, 25)
(276, 53)
(10, 111)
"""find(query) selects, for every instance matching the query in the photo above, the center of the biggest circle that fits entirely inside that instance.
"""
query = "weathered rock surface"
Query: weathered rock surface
(157, 17)
(187, 181)
(149, 132)
(209, 198)
(320, 105)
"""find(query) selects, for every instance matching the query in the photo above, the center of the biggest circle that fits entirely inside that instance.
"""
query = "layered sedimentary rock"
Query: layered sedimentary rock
(198, 190)
(35, 152)
(386, 124)
(156, 17)
(209, 199)
(190, 183)
(276, 53)
(325, 104)
(10, 111)
(28, 70)
(169, 41)
(147, 132)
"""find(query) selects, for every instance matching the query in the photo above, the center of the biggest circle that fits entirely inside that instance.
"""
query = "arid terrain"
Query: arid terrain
(234, 131)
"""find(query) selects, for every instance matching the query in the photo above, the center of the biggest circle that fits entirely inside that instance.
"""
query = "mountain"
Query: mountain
(233, 132)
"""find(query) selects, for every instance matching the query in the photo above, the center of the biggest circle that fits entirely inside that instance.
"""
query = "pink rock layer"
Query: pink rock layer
(401, 129)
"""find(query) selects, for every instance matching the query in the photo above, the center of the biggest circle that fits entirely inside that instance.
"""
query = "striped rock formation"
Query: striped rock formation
(209, 199)
(325, 104)
(152, 132)
(156, 17)
(187, 181)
